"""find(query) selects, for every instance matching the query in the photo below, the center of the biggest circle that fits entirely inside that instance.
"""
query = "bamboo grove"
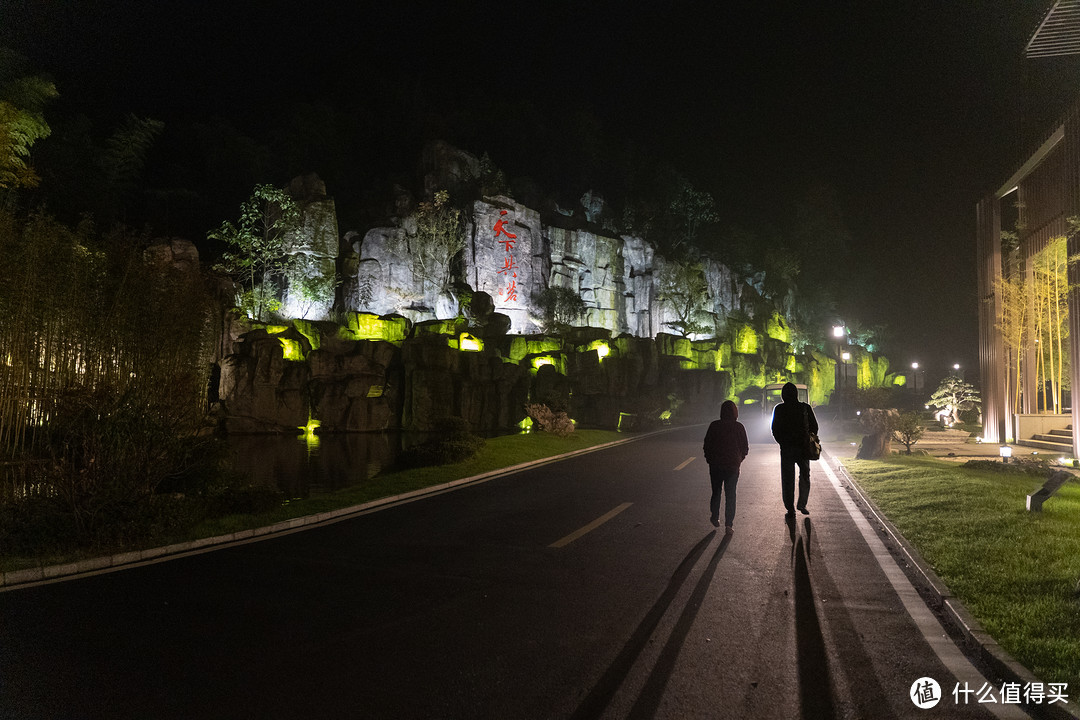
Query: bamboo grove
(103, 362)
(1034, 325)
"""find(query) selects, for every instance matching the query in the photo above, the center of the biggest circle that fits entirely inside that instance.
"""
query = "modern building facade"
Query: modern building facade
(1036, 202)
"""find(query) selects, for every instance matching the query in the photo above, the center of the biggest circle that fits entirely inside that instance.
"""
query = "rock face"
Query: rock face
(279, 381)
(878, 440)
(315, 248)
(176, 253)
(413, 352)
(512, 254)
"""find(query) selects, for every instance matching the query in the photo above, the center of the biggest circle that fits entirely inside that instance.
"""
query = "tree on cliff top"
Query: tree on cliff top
(683, 288)
(259, 244)
(440, 236)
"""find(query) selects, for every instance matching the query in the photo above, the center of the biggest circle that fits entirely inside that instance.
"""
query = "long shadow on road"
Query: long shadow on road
(815, 692)
(649, 700)
(600, 696)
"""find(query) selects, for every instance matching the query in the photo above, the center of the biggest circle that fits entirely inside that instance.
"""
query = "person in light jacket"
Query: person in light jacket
(725, 447)
(791, 421)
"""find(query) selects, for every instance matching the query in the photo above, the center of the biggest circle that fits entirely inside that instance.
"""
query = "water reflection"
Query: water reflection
(300, 465)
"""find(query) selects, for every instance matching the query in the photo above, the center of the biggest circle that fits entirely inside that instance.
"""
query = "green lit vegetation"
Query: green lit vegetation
(368, 326)
(777, 328)
(292, 349)
(746, 340)
(1014, 570)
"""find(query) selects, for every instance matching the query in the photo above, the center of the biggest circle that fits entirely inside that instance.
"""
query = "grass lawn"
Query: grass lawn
(1015, 571)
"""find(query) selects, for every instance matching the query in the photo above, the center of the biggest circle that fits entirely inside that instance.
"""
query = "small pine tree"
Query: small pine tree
(954, 395)
(907, 430)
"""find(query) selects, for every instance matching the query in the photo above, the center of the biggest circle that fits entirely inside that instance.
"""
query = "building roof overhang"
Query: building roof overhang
(1058, 33)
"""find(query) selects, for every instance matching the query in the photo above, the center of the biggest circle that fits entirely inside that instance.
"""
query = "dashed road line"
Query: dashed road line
(590, 527)
(684, 463)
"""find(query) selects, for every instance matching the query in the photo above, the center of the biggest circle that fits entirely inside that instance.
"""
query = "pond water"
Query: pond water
(301, 465)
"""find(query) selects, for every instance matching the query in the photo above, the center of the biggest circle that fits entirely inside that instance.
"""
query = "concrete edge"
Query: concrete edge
(979, 642)
(15, 579)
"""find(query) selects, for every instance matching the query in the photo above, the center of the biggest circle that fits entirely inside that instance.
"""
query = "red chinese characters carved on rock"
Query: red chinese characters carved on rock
(509, 267)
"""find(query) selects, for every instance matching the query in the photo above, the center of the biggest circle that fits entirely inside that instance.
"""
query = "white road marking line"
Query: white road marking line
(590, 527)
(685, 463)
(946, 650)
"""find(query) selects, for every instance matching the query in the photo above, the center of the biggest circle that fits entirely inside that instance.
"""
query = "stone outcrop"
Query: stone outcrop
(513, 255)
(176, 253)
(412, 352)
(315, 249)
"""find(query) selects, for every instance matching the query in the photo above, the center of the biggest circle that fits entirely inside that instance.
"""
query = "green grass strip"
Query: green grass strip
(1015, 571)
(497, 453)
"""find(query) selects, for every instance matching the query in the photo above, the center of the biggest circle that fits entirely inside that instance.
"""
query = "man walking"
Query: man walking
(792, 422)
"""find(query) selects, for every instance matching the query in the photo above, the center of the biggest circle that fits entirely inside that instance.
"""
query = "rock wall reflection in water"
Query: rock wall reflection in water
(301, 467)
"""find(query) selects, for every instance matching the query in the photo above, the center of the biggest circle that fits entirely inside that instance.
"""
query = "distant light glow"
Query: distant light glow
(838, 331)
(914, 366)
(845, 356)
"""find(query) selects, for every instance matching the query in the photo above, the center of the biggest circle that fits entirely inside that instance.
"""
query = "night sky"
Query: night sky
(909, 111)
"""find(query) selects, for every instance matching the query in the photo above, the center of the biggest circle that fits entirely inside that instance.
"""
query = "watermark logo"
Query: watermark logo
(925, 693)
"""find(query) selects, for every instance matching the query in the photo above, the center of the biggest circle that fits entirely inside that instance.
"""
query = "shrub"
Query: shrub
(556, 423)
(454, 442)
(907, 429)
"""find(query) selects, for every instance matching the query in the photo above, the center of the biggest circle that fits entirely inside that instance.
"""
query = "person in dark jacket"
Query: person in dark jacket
(725, 447)
(791, 421)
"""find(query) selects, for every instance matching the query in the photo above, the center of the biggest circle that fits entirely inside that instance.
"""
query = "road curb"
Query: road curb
(15, 579)
(977, 641)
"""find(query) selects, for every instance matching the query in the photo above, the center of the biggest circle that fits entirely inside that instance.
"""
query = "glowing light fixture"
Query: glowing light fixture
(309, 435)
(914, 366)
(838, 331)
(469, 343)
(537, 362)
(1006, 452)
(601, 347)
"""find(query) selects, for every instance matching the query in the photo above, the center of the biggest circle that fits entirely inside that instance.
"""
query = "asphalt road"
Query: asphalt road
(592, 587)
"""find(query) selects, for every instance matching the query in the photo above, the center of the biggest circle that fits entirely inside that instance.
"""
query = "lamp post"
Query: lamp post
(915, 386)
(839, 332)
(845, 357)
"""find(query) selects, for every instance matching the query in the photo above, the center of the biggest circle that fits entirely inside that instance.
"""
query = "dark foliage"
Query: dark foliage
(454, 442)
